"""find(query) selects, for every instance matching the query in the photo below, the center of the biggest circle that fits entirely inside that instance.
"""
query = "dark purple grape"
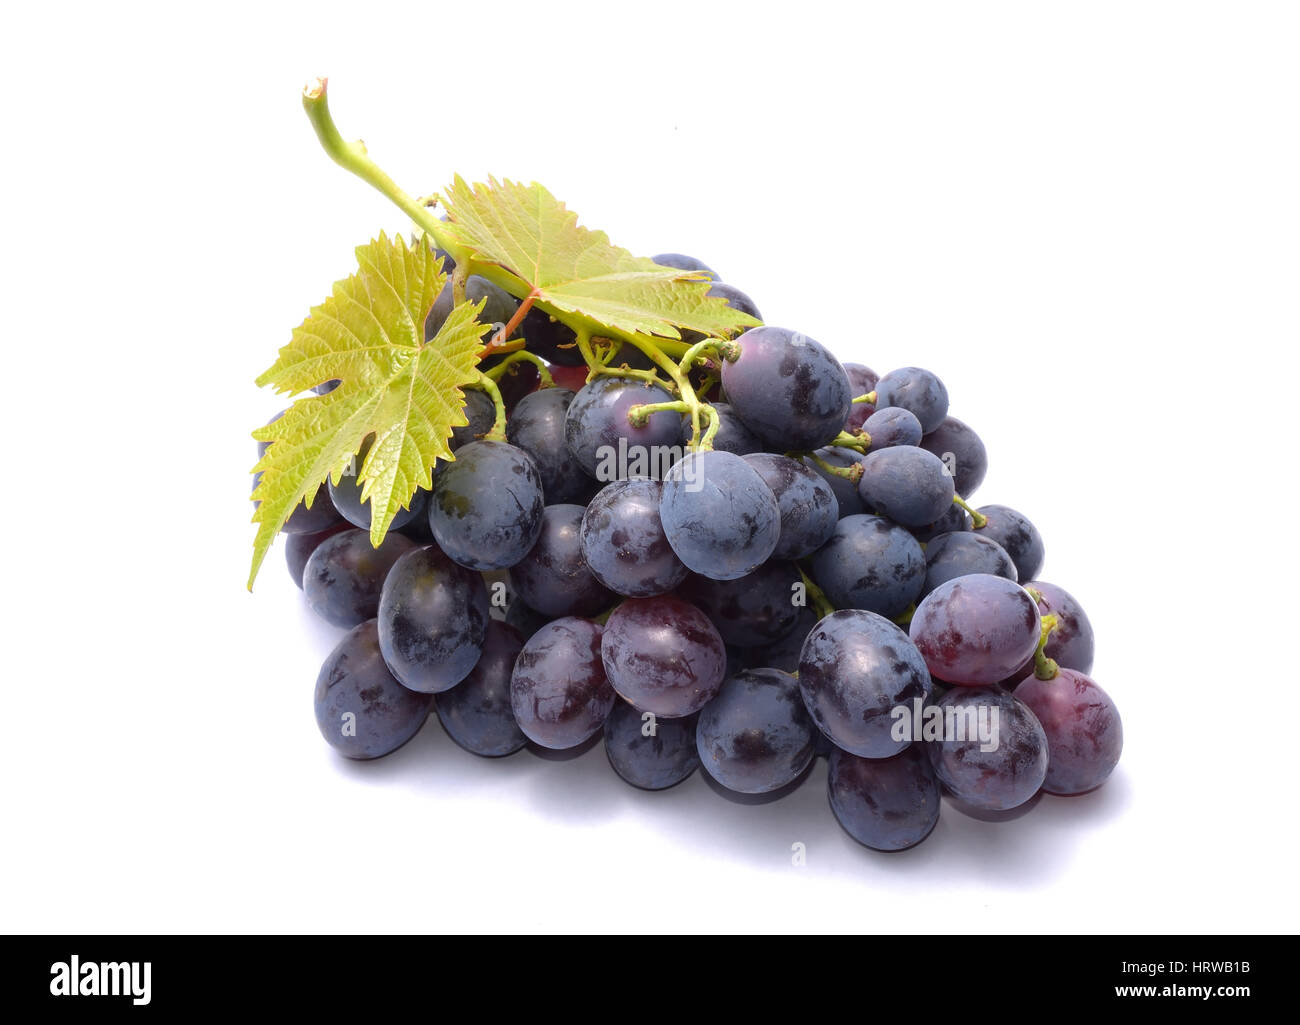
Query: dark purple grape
(298, 548)
(346, 498)
(784, 654)
(663, 655)
(805, 500)
(1019, 537)
(976, 629)
(870, 564)
(954, 521)
(548, 338)
(756, 736)
(559, 692)
(606, 445)
(519, 380)
(345, 574)
(624, 543)
(476, 713)
(553, 577)
(321, 516)
(961, 451)
(537, 427)
(909, 485)
(361, 709)
(499, 306)
(950, 556)
(862, 381)
(718, 515)
(887, 804)
(752, 610)
(855, 669)
(1084, 734)
(787, 388)
(916, 390)
(732, 436)
(650, 753)
(993, 755)
(1071, 643)
(527, 621)
(481, 413)
(891, 427)
(845, 491)
(433, 617)
(486, 507)
(683, 262)
(734, 298)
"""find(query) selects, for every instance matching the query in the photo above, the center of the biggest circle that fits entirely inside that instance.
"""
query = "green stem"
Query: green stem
(498, 432)
(859, 440)
(977, 517)
(906, 617)
(522, 356)
(710, 432)
(458, 278)
(821, 604)
(851, 473)
(1044, 667)
(638, 415)
(869, 397)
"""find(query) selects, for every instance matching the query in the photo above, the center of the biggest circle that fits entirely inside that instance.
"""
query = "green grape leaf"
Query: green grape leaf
(403, 393)
(533, 236)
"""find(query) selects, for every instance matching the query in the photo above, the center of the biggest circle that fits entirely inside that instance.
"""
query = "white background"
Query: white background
(1083, 216)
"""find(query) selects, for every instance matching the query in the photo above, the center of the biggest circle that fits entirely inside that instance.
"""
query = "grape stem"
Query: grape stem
(1044, 667)
(850, 473)
(869, 397)
(507, 365)
(821, 604)
(352, 156)
(498, 432)
(977, 517)
(637, 416)
(499, 340)
(858, 440)
(906, 617)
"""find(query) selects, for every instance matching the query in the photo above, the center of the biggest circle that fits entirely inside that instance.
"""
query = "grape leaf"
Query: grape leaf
(530, 233)
(369, 335)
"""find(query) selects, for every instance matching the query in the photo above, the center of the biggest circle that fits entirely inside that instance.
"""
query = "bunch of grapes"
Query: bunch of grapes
(804, 577)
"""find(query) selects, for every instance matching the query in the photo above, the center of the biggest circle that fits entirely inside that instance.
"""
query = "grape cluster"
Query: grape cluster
(805, 579)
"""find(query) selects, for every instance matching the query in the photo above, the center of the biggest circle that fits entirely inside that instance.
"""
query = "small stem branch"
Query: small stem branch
(859, 440)
(1044, 667)
(639, 415)
(977, 518)
(906, 617)
(498, 432)
(458, 278)
(513, 324)
(507, 366)
(850, 473)
(869, 397)
(821, 604)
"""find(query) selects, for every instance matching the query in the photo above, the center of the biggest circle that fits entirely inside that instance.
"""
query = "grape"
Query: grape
(527, 621)
(718, 515)
(954, 521)
(870, 564)
(663, 655)
(862, 381)
(1019, 537)
(891, 427)
(482, 416)
(1081, 722)
(845, 491)
(916, 390)
(976, 629)
(805, 500)
(1071, 643)
(886, 804)
(362, 711)
(553, 577)
(476, 712)
(558, 690)
(498, 306)
(961, 451)
(995, 780)
(624, 543)
(683, 262)
(346, 496)
(950, 556)
(520, 378)
(656, 762)
(298, 549)
(344, 575)
(486, 508)
(433, 617)
(787, 388)
(553, 341)
(325, 387)
(598, 433)
(784, 654)
(909, 485)
(756, 736)
(732, 436)
(734, 298)
(855, 669)
(537, 427)
(570, 378)
(755, 609)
